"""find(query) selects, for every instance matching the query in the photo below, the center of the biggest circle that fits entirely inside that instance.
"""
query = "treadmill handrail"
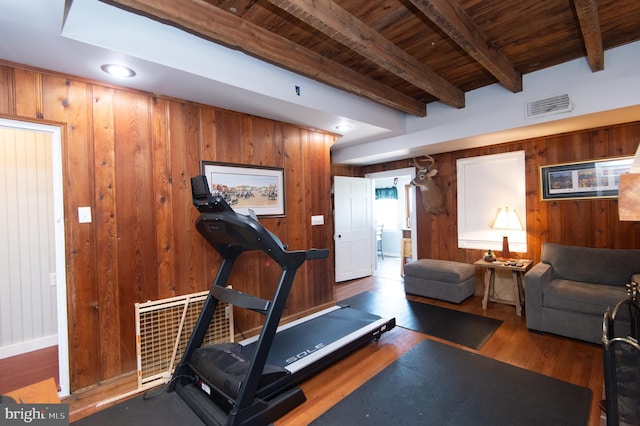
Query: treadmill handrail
(240, 299)
(313, 254)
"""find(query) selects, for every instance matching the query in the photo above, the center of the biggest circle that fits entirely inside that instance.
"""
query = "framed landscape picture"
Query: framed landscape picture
(587, 179)
(247, 188)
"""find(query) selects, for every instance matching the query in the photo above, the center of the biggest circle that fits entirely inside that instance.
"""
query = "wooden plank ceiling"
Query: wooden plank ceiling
(407, 53)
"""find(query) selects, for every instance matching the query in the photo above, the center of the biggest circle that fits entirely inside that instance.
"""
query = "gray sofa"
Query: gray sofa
(568, 292)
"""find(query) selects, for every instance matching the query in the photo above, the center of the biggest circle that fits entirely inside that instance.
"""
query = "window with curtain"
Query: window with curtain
(390, 193)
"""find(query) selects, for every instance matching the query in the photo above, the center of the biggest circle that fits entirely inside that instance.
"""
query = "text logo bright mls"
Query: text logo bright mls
(36, 414)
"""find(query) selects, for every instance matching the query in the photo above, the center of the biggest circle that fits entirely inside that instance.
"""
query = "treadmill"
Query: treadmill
(253, 382)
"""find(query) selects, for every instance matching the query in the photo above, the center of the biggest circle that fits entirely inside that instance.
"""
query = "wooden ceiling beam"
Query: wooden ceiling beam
(587, 11)
(335, 22)
(212, 23)
(458, 25)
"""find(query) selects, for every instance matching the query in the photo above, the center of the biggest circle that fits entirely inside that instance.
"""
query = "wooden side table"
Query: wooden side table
(517, 273)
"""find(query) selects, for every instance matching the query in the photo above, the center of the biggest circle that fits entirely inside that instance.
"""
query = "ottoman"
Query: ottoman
(440, 279)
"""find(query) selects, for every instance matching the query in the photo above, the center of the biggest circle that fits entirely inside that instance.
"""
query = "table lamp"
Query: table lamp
(506, 218)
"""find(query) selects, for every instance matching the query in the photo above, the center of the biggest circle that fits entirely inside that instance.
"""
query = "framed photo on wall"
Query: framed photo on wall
(586, 179)
(247, 187)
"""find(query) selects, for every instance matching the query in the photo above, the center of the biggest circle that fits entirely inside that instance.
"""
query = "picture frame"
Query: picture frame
(583, 180)
(247, 188)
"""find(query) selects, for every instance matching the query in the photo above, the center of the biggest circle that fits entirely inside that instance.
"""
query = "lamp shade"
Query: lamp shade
(506, 218)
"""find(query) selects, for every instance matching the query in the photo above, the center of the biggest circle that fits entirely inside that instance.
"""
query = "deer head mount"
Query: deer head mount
(433, 197)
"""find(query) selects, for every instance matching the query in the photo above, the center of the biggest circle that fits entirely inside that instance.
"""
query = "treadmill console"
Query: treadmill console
(222, 227)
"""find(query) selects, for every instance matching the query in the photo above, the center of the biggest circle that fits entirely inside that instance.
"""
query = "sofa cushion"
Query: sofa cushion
(581, 297)
(592, 265)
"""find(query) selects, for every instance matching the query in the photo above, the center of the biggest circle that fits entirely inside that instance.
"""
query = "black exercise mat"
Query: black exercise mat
(170, 409)
(437, 384)
(165, 409)
(458, 327)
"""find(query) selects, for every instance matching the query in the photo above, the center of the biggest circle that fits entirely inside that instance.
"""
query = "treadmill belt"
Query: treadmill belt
(305, 338)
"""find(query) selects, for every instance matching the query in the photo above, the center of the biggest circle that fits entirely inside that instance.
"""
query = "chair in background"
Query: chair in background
(379, 229)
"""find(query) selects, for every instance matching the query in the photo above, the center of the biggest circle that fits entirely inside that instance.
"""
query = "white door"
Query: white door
(353, 227)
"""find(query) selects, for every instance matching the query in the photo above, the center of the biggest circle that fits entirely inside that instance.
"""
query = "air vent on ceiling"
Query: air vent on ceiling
(551, 105)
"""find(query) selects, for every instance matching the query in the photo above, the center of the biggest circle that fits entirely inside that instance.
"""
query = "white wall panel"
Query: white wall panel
(27, 239)
(486, 183)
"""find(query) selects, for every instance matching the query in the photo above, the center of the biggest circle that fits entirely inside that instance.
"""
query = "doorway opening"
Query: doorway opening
(33, 208)
(393, 211)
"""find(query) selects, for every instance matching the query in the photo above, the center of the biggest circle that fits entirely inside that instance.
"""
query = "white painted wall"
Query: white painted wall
(495, 115)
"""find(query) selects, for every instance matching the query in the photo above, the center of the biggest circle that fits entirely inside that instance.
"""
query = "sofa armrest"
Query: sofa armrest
(536, 279)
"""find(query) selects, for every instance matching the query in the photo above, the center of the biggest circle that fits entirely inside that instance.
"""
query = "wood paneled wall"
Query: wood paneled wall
(590, 223)
(130, 156)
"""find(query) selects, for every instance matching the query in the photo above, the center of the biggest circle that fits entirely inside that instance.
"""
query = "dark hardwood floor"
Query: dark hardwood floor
(565, 359)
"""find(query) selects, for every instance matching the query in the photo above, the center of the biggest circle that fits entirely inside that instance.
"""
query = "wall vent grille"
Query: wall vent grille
(163, 329)
(551, 105)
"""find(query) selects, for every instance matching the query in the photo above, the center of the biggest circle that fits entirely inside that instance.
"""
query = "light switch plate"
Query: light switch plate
(84, 214)
(317, 220)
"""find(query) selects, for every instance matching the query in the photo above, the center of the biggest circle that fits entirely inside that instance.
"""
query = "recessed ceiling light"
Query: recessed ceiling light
(343, 127)
(119, 71)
